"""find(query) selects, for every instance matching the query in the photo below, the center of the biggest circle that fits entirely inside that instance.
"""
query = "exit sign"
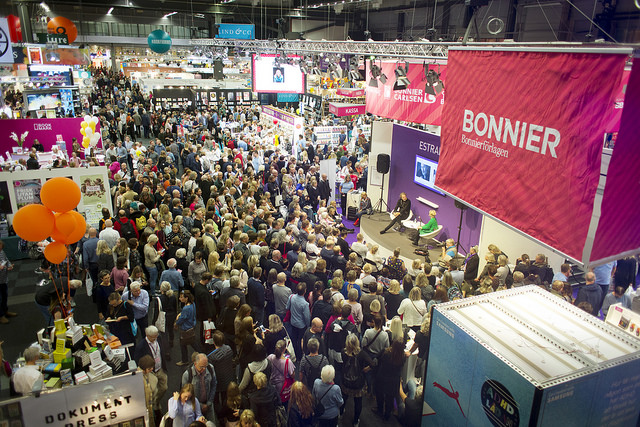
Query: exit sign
(45, 38)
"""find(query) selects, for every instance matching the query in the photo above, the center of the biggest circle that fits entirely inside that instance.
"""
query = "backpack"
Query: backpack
(313, 372)
(337, 339)
(141, 222)
(127, 231)
(509, 280)
(318, 408)
(352, 376)
(454, 292)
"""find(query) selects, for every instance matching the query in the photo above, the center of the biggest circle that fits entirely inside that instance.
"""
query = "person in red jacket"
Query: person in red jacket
(126, 232)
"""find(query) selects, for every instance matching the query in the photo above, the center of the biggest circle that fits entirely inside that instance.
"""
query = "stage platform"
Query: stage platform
(370, 227)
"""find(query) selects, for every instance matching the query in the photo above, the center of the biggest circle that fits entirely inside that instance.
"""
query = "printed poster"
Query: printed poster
(94, 197)
(27, 191)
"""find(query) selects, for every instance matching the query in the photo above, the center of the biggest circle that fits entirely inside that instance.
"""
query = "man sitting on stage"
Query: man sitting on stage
(400, 212)
(414, 235)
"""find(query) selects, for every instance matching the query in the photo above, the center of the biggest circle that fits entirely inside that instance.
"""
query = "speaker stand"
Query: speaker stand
(380, 203)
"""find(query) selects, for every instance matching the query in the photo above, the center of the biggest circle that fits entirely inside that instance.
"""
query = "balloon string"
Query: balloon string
(64, 311)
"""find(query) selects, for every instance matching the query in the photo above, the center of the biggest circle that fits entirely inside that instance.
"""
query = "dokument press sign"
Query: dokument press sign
(159, 41)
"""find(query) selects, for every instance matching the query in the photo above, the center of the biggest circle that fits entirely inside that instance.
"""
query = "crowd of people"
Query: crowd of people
(227, 244)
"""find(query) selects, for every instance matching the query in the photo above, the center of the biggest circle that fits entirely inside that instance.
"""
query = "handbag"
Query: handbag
(161, 321)
(188, 336)
(285, 393)
(208, 328)
(289, 346)
(134, 326)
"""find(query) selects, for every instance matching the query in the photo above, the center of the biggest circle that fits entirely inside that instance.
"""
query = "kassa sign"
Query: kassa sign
(159, 41)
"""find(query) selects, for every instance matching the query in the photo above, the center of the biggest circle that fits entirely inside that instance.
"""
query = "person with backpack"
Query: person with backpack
(374, 342)
(327, 397)
(355, 364)
(126, 227)
(311, 364)
(202, 375)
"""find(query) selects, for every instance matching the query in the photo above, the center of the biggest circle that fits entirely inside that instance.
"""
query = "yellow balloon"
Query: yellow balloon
(86, 140)
(84, 124)
(83, 132)
(92, 126)
(85, 144)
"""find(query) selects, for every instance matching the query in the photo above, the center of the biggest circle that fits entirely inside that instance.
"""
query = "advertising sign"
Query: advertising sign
(532, 122)
(276, 76)
(420, 102)
(159, 41)
(350, 92)
(236, 31)
(6, 53)
(46, 38)
(27, 191)
(340, 109)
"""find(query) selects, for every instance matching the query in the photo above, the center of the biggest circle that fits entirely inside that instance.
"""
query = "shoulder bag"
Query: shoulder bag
(161, 321)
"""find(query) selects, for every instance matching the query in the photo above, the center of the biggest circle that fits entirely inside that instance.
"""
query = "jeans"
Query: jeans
(44, 309)
(396, 221)
(296, 337)
(4, 295)
(357, 407)
(153, 278)
(142, 325)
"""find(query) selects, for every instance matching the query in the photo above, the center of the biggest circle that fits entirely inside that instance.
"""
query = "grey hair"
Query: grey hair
(134, 286)
(327, 374)
(151, 331)
(31, 354)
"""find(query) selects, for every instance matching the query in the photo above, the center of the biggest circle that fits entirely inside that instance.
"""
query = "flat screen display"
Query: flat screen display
(424, 173)
(65, 77)
(46, 100)
(272, 77)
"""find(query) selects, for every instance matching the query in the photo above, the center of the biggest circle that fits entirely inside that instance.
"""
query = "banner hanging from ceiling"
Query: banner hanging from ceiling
(421, 102)
(618, 231)
(522, 137)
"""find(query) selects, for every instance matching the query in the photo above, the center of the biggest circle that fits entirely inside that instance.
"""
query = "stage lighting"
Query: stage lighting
(434, 85)
(402, 81)
(383, 78)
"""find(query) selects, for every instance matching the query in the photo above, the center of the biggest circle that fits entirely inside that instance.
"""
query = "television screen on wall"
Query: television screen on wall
(273, 76)
(424, 173)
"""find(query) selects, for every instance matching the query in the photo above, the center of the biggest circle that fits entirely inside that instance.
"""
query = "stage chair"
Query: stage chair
(431, 235)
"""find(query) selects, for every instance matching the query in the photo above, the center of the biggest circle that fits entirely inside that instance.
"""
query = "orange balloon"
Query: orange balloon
(33, 223)
(62, 25)
(65, 223)
(55, 252)
(60, 194)
(59, 237)
(78, 232)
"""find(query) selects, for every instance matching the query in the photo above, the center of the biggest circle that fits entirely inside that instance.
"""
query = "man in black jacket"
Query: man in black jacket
(400, 212)
(256, 295)
(324, 188)
(153, 346)
(205, 310)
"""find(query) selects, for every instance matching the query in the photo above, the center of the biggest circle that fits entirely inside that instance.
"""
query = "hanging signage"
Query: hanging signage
(236, 31)
(62, 25)
(340, 109)
(539, 134)
(6, 53)
(46, 38)
(159, 41)
(350, 92)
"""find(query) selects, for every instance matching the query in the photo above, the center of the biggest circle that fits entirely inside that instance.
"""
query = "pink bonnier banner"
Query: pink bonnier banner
(613, 124)
(522, 138)
(48, 131)
(413, 104)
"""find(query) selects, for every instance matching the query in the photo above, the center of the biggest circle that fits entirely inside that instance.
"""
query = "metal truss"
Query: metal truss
(415, 50)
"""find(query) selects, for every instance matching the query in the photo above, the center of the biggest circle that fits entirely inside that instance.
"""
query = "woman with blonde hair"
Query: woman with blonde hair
(275, 333)
(105, 256)
(230, 412)
(213, 260)
(356, 307)
(413, 309)
(393, 298)
(374, 257)
(336, 288)
(355, 363)
(264, 401)
(247, 419)
(121, 249)
(151, 257)
(184, 407)
(397, 331)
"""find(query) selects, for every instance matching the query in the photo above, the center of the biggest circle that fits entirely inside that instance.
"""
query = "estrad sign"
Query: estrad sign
(103, 403)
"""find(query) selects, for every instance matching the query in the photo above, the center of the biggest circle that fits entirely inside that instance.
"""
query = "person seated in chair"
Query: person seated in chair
(364, 208)
(400, 212)
(432, 225)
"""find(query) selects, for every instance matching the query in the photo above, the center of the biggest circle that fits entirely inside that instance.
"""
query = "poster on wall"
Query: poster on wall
(94, 197)
(27, 191)
(422, 101)
(5, 200)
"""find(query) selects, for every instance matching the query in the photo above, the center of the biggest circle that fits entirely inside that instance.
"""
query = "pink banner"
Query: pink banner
(613, 124)
(48, 131)
(421, 102)
(341, 110)
(522, 138)
(618, 229)
(350, 92)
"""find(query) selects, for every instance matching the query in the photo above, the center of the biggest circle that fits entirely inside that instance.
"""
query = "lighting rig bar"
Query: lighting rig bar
(418, 50)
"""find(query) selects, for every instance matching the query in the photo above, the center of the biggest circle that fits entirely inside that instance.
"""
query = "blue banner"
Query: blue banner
(236, 31)
(288, 97)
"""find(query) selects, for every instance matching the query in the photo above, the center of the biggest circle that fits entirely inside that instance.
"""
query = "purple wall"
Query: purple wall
(405, 145)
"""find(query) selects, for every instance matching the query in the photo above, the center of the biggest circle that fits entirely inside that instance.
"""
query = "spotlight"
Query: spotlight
(434, 85)
(402, 81)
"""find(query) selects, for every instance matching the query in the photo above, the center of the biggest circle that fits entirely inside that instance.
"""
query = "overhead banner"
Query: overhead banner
(340, 109)
(421, 102)
(6, 53)
(618, 231)
(236, 31)
(522, 137)
(613, 124)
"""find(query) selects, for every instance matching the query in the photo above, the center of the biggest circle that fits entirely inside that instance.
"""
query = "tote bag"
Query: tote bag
(161, 321)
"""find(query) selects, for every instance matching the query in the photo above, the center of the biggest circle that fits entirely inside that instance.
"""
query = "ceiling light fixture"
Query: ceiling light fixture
(110, 10)
(170, 14)
(434, 85)
(402, 81)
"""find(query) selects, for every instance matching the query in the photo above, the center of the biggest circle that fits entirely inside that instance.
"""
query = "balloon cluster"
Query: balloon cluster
(88, 131)
(55, 218)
